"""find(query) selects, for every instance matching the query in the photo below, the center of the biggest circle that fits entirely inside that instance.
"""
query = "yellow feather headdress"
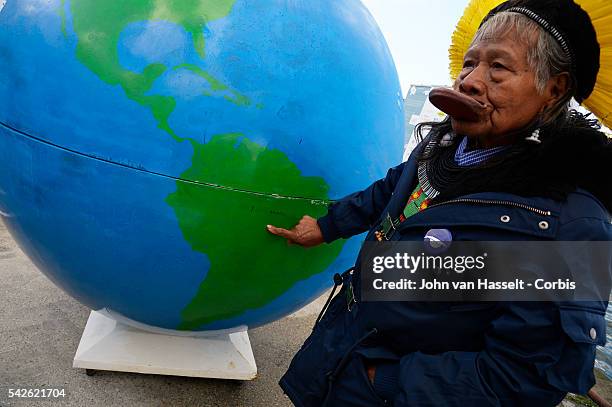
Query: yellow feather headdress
(600, 12)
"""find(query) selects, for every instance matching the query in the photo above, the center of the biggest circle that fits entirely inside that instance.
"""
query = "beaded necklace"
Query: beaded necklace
(450, 165)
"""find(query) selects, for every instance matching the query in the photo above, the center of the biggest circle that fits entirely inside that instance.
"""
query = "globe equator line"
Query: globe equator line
(170, 177)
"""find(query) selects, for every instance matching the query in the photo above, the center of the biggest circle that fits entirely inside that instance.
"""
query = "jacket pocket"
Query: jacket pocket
(583, 325)
(307, 375)
(353, 387)
(329, 316)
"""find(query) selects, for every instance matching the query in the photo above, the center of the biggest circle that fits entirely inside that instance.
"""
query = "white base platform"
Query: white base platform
(110, 345)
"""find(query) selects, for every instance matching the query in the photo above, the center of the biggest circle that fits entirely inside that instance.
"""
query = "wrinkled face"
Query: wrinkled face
(496, 73)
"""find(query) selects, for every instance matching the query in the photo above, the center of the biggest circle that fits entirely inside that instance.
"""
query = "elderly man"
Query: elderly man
(512, 163)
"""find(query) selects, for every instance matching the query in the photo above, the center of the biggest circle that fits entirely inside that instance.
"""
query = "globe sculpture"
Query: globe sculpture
(146, 144)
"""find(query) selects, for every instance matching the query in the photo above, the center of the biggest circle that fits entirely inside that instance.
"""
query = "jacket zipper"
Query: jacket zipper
(540, 212)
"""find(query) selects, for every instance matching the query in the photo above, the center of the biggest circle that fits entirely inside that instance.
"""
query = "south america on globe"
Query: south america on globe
(146, 144)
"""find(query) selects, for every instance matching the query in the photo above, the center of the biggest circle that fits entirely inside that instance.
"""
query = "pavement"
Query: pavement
(41, 326)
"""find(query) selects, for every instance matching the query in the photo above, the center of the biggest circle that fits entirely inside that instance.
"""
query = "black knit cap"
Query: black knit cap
(571, 26)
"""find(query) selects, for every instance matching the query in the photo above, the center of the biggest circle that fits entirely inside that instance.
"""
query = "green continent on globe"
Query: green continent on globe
(98, 25)
(249, 267)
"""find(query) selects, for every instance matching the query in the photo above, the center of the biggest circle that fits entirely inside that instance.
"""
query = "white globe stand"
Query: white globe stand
(107, 344)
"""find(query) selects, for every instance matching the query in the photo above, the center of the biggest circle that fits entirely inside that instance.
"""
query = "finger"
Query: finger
(281, 232)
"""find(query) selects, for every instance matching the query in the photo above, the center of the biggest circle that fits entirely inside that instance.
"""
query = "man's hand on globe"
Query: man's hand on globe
(306, 233)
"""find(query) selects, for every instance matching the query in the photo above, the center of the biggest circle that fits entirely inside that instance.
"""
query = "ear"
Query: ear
(556, 88)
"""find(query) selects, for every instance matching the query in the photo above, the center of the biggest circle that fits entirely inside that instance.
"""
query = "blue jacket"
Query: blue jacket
(452, 354)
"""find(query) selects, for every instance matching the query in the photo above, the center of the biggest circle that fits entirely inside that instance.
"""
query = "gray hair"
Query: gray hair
(544, 54)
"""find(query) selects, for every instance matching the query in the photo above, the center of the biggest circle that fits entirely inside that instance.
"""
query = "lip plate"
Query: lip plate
(456, 104)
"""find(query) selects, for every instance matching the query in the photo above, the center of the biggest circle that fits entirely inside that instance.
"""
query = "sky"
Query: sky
(405, 24)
